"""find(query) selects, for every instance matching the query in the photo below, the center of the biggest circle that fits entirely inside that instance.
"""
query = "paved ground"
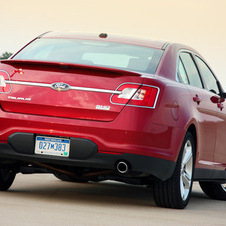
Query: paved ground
(44, 200)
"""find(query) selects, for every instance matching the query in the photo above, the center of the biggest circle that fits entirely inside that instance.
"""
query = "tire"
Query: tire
(175, 192)
(214, 190)
(7, 177)
(68, 178)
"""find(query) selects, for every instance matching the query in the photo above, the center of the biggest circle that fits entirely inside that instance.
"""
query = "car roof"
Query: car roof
(133, 40)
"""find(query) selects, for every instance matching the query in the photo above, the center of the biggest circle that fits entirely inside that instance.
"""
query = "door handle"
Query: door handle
(220, 105)
(197, 99)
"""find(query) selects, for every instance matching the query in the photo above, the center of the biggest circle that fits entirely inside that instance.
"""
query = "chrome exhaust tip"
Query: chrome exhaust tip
(122, 167)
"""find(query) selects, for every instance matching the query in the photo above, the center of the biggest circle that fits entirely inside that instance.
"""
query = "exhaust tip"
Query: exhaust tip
(122, 167)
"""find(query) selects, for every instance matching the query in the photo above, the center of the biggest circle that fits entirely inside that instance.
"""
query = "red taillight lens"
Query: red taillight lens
(137, 95)
(4, 87)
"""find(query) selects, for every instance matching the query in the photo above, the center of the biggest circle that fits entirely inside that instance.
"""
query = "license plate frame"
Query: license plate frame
(54, 146)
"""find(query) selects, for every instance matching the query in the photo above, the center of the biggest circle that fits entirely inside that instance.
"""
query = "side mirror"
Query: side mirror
(222, 93)
(216, 99)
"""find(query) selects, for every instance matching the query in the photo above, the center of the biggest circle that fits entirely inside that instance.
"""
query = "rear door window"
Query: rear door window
(191, 70)
(183, 77)
(209, 78)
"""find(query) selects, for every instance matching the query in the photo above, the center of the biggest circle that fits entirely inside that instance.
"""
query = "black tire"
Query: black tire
(175, 192)
(214, 190)
(7, 177)
(68, 178)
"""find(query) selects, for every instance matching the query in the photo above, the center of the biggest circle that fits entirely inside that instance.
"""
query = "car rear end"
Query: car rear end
(84, 106)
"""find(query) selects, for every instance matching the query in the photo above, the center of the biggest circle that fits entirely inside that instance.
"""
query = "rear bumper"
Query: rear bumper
(144, 135)
(84, 153)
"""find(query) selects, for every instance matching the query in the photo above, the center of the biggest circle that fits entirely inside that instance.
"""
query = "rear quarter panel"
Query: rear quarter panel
(173, 112)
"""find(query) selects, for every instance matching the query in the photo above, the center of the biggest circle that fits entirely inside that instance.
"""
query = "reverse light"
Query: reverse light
(2, 81)
(136, 95)
(4, 87)
(128, 91)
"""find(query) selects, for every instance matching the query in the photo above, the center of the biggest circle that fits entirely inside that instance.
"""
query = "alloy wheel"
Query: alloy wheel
(224, 187)
(186, 170)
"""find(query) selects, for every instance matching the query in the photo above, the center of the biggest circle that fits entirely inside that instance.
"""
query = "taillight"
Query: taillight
(136, 95)
(4, 87)
(128, 91)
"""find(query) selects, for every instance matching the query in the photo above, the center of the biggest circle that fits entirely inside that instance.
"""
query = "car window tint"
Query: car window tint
(96, 53)
(182, 73)
(191, 70)
(210, 80)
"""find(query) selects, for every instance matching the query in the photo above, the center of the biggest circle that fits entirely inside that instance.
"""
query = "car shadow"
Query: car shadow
(107, 192)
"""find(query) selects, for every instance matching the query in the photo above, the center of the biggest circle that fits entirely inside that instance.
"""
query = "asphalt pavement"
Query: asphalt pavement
(44, 200)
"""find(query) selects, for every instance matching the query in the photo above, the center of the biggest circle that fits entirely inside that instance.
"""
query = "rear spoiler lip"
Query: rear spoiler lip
(63, 65)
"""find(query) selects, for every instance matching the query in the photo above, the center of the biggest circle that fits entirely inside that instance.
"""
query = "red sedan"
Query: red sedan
(99, 107)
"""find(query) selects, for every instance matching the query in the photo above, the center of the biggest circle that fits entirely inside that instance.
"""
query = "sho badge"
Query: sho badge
(60, 86)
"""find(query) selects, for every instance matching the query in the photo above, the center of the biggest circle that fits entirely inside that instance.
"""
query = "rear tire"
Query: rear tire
(175, 192)
(214, 190)
(7, 177)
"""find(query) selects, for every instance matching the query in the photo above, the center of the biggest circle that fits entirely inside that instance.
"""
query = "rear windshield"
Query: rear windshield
(89, 52)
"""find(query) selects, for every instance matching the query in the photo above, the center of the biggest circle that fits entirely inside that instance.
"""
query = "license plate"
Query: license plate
(52, 146)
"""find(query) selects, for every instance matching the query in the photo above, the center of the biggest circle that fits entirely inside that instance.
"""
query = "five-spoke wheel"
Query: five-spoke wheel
(175, 192)
(186, 170)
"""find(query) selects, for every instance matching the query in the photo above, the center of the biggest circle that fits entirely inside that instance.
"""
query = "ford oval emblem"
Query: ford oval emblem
(60, 86)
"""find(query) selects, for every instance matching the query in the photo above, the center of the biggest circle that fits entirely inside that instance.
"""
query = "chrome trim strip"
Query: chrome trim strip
(71, 87)
(165, 45)
(95, 90)
(28, 83)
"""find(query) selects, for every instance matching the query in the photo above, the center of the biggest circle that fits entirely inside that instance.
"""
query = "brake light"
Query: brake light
(136, 95)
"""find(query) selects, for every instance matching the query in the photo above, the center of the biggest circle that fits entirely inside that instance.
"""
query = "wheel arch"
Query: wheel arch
(193, 131)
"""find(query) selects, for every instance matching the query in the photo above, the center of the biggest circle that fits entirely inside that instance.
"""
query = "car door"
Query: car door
(204, 110)
(211, 83)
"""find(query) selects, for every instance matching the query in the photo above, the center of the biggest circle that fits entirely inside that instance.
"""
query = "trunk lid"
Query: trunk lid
(62, 89)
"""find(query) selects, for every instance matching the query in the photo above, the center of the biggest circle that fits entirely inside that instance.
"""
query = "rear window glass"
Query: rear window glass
(97, 53)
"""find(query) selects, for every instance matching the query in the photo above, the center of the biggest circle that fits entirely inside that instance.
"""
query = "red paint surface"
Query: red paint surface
(153, 132)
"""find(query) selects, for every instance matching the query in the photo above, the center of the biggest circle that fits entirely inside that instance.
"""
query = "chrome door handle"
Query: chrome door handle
(220, 105)
(197, 99)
